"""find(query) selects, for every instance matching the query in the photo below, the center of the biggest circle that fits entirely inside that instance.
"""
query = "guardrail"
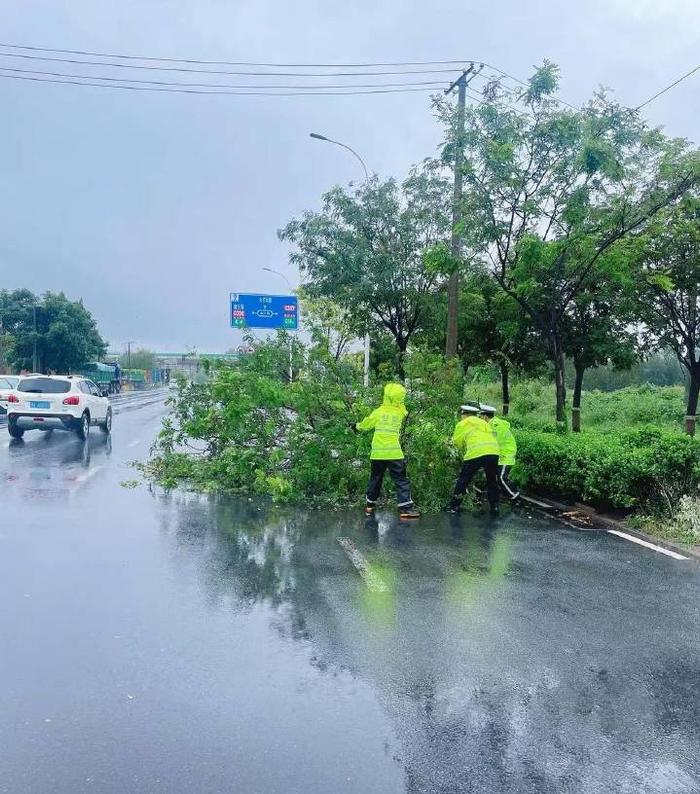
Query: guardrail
(126, 401)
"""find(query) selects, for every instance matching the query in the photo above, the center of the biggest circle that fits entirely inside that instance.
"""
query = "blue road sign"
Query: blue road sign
(264, 311)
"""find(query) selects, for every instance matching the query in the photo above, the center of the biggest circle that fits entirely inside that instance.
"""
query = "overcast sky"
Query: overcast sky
(153, 207)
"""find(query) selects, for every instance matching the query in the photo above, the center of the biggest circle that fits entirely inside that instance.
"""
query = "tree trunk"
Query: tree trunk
(505, 386)
(576, 403)
(401, 358)
(692, 405)
(559, 378)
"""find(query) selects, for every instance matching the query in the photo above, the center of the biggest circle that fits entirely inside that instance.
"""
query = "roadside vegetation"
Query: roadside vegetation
(249, 430)
(577, 261)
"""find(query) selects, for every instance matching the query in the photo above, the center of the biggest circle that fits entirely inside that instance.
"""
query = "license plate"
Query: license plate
(39, 404)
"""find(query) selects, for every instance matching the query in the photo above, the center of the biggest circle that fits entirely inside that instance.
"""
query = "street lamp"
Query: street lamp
(291, 288)
(364, 168)
(345, 146)
(281, 275)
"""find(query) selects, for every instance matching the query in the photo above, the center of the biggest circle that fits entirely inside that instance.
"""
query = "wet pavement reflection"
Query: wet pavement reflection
(174, 642)
(496, 657)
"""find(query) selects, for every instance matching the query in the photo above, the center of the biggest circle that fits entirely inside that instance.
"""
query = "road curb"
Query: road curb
(568, 514)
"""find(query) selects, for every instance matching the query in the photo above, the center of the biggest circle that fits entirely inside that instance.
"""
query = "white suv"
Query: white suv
(57, 402)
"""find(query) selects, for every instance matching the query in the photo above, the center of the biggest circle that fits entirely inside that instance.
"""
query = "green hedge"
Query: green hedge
(609, 470)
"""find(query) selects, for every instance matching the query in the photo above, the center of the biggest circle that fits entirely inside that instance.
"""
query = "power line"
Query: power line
(226, 63)
(378, 67)
(112, 65)
(308, 92)
(310, 88)
(197, 61)
(668, 87)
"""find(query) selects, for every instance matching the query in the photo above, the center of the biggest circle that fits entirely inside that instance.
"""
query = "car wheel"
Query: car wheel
(106, 426)
(14, 431)
(84, 428)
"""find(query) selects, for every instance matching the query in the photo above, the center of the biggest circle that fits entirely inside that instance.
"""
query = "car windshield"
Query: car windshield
(44, 386)
(8, 383)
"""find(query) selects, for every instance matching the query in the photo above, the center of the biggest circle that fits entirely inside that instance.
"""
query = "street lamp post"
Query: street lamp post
(345, 146)
(364, 168)
(291, 289)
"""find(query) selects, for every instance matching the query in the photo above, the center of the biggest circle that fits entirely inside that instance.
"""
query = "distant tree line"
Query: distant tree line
(142, 358)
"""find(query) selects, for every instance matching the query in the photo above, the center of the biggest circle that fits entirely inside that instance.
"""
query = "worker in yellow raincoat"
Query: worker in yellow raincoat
(477, 443)
(507, 449)
(387, 455)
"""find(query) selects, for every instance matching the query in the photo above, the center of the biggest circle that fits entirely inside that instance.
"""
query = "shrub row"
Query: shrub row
(645, 467)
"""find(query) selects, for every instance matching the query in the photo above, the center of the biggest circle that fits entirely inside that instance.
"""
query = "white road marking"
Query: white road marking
(134, 443)
(648, 545)
(82, 478)
(356, 557)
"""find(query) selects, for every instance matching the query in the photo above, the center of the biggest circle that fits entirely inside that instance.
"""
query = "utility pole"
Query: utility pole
(128, 353)
(34, 356)
(461, 84)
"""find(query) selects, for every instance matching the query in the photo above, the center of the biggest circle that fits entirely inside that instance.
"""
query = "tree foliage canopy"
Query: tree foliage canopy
(559, 205)
(65, 334)
(364, 250)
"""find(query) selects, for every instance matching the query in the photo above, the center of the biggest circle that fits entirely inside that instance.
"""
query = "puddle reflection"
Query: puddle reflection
(481, 689)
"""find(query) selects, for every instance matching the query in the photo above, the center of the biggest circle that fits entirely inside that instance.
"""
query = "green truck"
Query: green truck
(137, 377)
(106, 376)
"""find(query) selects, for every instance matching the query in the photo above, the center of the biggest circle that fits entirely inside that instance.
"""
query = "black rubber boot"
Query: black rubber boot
(409, 511)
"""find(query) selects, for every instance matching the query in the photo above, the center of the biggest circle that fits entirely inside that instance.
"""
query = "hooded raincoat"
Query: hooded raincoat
(506, 441)
(386, 421)
(474, 437)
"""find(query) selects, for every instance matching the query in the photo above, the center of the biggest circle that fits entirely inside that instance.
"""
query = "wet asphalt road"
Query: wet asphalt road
(174, 643)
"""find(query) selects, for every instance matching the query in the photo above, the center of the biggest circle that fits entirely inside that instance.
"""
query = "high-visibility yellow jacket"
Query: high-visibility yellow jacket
(507, 445)
(386, 422)
(474, 437)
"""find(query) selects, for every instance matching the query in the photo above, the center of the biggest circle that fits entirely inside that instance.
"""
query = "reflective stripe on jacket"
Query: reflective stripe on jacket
(474, 437)
(506, 441)
(386, 422)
